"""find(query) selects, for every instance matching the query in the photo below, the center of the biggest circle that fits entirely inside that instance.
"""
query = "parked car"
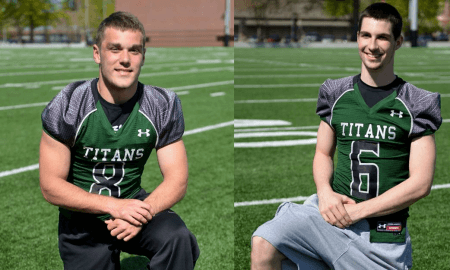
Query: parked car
(313, 36)
(442, 37)
(328, 38)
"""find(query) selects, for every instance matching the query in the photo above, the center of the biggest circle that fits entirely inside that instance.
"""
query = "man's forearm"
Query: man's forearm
(66, 195)
(394, 200)
(166, 195)
(323, 172)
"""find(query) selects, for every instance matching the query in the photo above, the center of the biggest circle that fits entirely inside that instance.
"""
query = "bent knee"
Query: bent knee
(264, 252)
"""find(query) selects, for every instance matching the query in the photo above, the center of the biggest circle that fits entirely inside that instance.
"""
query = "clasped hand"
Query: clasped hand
(128, 217)
(338, 210)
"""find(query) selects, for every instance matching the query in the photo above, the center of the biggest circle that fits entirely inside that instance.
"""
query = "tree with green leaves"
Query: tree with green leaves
(260, 9)
(31, 13)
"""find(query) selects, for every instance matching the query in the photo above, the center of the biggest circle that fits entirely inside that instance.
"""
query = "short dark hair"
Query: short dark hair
(383, 11)
(122, 21)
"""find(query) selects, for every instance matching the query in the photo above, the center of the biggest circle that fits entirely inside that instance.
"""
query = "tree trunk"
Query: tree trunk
(31, 29)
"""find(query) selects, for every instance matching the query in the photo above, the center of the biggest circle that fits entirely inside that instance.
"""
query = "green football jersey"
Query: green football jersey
(373, 143)
(105, 161)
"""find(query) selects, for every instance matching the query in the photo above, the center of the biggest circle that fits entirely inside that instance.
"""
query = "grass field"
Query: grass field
(202, 77)
(279, 87)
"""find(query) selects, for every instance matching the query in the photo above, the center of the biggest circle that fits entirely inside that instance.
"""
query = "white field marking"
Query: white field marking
(203, 85)
(154, 65)
(209, 61)
(275, 143)
(259, 123)
(217, 94)
(446, 120)
(271, 201)
(274, 129)
(319, 84)
(279, 63)
(190, 132)
(198, 130)
(440, 186)
(241, 86)
(23, 169)
(81, 59)
(275, 134)
(20, 85)
(58, 87)
(23, 106)
(289, 76)
(181, 93)
(192, 70)
(275, 100)
(302, 198)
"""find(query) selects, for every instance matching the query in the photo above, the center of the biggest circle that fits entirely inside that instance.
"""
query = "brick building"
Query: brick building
(176, 23)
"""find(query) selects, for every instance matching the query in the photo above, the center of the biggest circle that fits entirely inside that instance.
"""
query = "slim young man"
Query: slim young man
(97, 137)
(383, 129)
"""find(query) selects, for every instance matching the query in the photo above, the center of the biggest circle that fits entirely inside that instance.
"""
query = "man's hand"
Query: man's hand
(133, 211)
(353, 210)
(121, 229)
(331, 207)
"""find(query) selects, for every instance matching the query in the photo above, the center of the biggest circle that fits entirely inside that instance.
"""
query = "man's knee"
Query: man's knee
(264, 253)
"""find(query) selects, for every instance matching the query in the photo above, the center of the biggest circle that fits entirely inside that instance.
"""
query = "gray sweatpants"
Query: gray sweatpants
(309, 242)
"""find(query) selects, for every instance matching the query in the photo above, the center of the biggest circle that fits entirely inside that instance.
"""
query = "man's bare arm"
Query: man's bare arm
(54, 166)
(331, 204)
(173, 164)
(418, 185)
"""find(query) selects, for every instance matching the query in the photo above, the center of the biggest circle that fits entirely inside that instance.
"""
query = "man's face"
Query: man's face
(376, 44)
(121, 57)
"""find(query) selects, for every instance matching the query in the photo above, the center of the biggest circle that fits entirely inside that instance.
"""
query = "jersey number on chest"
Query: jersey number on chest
(365, 176)
(107, 176)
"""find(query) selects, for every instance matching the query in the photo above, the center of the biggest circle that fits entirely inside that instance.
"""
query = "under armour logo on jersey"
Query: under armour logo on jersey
(147, 132)
(400, 114)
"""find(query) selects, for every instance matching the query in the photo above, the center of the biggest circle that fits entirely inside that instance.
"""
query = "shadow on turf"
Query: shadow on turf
(134, 263)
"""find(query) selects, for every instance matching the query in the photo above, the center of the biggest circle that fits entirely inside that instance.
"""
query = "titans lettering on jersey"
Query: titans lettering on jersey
(105, 160)
(373, 143)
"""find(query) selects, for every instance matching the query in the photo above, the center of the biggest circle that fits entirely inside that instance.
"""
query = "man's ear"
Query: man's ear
(96, 53)
(399, 42)
(143, 56)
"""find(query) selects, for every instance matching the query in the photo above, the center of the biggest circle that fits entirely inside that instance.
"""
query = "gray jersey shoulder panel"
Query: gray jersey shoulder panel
(163, 108)
(329, 93)
(66, 112)
(424, 107)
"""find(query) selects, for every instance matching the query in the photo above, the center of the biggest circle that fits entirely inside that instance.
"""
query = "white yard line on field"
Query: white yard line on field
(242, 86)
(178, 88)
(23, 106)
(189, 132)
(202, 85)
(302, 198)
(250, 101)
(275, 100)
(190, 71)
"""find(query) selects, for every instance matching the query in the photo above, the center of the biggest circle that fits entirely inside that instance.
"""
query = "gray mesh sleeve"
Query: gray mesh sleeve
(425, 108)
(323, 103)
(172, 125)
(163, 107)
(329, 92)
(63, 115)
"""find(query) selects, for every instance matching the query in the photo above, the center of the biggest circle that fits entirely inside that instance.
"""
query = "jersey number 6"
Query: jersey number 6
(365, 176)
